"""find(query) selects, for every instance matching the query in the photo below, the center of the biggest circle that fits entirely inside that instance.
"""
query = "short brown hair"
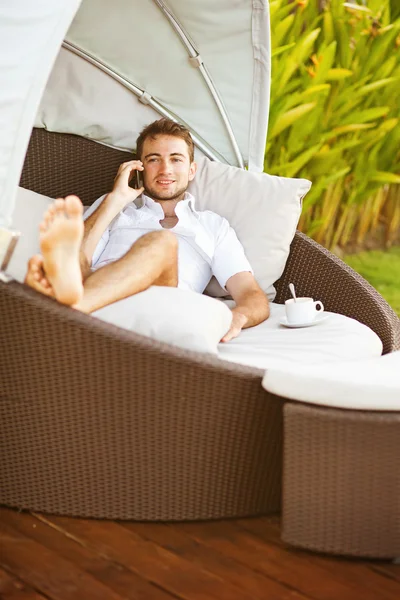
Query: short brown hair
(165, 126)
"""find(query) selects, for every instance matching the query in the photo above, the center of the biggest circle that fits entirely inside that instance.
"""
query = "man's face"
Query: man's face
(167, 167)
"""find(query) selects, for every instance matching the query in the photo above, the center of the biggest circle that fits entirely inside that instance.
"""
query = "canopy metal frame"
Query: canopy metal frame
(145, 98)
(197, 61)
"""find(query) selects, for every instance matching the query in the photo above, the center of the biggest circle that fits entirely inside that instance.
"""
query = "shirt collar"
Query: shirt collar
(183, 207)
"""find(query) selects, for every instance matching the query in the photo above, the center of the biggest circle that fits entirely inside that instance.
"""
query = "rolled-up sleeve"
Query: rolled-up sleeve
(229, 256)
(106, 235)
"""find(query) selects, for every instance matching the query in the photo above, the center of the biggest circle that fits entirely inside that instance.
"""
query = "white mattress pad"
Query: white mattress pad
(271, 345)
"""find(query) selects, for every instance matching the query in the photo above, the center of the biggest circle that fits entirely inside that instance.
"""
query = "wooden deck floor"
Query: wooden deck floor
(59, 558)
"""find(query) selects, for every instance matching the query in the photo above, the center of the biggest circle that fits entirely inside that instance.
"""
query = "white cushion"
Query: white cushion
(263, 210)
(179, 317)
(369, 384)
(270, 345)
(28, 213)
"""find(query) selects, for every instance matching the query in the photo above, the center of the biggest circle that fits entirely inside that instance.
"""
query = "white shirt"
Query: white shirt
(207, 244)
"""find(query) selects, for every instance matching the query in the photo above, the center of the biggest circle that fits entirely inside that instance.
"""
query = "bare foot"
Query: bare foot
(61, 233)
(36, 277)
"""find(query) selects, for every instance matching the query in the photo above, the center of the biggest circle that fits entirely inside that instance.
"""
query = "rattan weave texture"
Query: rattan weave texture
(342, 481)
(100, 422)
(60, 164)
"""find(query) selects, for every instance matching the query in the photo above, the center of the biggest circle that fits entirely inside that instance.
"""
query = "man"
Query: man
(120, 250)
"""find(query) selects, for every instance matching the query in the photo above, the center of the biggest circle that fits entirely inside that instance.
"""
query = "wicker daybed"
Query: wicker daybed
(101, 422)
(87, 428)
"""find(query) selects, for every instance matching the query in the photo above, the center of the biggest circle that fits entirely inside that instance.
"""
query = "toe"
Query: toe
(73, 206)
(59, 208)
(44, 282)
(47, 218)
(36, 262)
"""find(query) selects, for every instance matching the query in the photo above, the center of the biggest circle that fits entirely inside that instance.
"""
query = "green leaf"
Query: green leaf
(338, 74)
(356, 7)
(363, 116)
(376, 85)
(282, 49)
(343, 38)
(305, 45)
(273, 8)
(314, 90)
(388, 124)
(290, 169)
(326, 153)
(299, 53)
(378, 49)
(384, 177)
(321, 184)
(290, 117)
(326, 56)
(328, 28)
(280, 12)
(388, 66)
(280, 31)
(348, 129)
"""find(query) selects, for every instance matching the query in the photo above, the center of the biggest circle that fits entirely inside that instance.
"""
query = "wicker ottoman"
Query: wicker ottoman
(341, 473)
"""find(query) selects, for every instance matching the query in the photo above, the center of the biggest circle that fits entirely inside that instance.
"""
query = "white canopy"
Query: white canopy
(30, 37)
(123, 63)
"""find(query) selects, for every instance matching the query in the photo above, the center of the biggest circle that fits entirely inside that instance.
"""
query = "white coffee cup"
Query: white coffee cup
(302, 310)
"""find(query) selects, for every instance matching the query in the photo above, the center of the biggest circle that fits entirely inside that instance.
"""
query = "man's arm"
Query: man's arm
(113, 203)
(252, 306)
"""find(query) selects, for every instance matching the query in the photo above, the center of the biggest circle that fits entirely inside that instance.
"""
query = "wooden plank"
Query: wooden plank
(157, 564)
(388, 570)
(353, 571)
(44, 570)
(231, 571)
(12, 588)
(299, 570)
(112, 574)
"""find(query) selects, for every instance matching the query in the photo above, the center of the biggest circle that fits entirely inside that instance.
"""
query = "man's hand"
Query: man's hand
(238, 322)
(113, 203)
(122, 194)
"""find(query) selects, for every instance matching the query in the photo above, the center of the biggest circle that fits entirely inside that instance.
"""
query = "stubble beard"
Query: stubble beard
(178, 195)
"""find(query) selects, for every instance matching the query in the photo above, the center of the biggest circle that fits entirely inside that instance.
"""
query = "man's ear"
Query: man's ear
(192, 170)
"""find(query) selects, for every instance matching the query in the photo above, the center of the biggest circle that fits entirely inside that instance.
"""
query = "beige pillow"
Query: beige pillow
(178, 317)
(263, 210)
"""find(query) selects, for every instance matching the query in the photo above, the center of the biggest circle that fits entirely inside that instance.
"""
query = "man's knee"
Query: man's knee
(164, 240)
(165, 237)
(169, 246)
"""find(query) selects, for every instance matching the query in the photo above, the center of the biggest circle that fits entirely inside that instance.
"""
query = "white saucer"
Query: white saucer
(318, 319)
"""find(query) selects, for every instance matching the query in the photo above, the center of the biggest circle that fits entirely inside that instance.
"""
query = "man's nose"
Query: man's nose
(166, 166)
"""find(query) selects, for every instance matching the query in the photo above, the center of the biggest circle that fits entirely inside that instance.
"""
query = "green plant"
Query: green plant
(382, 270)
(334, 115)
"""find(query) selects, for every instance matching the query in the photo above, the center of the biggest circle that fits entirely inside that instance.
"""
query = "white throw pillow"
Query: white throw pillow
(263, 210)
(178, 317)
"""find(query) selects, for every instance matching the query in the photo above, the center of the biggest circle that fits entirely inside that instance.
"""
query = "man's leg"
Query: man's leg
(152, 260)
